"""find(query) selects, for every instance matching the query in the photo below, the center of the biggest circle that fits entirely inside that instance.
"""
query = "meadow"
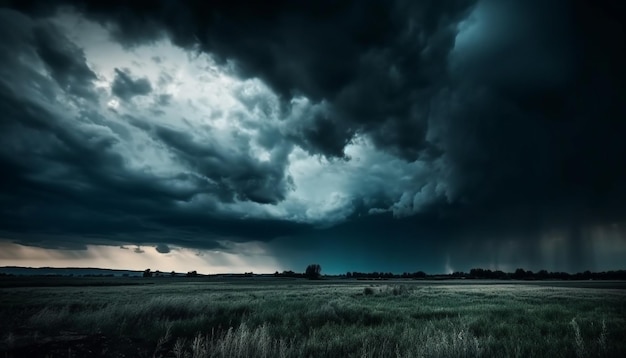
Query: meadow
(271, 317)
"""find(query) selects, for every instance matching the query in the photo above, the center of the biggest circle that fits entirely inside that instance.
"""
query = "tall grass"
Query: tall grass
(323, 320)
(428, 341)
(236, 343)
(243, 342)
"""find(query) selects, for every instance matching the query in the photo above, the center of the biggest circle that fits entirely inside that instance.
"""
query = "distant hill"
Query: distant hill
(65, 271)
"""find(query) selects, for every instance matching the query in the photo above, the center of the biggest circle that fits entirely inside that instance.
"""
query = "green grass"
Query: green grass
(287, 318)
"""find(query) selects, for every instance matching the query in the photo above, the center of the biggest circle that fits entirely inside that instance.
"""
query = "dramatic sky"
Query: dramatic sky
(229, 136)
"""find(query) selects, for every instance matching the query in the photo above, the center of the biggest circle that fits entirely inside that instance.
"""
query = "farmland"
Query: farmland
(270, 317)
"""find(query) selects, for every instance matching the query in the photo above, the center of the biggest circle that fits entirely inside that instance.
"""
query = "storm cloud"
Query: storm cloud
(125, 87)
(162, 248)
(452, 124)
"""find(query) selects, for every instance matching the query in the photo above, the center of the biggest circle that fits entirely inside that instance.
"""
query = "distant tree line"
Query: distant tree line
(521, 274)
(289, 273)
(479, 273)
(157, 273)
(312, 272)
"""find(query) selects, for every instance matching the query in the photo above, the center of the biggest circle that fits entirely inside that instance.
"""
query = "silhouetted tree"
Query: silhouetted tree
(147, 273)
(313, 271)
(519, 274)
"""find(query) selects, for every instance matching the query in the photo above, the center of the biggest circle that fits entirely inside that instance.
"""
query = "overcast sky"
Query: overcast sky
(230, 136)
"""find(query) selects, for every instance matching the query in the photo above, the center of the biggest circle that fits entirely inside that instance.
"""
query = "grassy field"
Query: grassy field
(263, 317)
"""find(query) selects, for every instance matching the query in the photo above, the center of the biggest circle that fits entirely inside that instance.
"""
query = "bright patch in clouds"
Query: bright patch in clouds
(224, 118)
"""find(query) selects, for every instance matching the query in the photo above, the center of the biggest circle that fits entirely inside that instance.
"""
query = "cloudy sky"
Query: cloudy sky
(229, 136)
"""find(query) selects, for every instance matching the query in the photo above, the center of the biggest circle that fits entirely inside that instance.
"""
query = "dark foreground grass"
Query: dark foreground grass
(292, 318)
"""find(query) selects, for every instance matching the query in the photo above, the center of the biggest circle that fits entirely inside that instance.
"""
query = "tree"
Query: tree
(519, 274)
(313, 271)
(147, 273)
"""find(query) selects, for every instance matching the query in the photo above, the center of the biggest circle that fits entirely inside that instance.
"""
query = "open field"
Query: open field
(206, 317)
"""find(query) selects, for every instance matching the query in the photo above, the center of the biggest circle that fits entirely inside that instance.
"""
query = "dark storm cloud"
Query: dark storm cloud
(530, 116)
(521, 105)
(65, 61)
(28, 42)
(539, 124)
(318, 131)
(238, 177)
(529, 126)
(377, 63)
(125, 87)
(65, 180)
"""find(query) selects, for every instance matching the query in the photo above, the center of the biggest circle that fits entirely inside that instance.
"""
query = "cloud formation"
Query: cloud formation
(162, 248)
(195, 122)
(125, 87)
